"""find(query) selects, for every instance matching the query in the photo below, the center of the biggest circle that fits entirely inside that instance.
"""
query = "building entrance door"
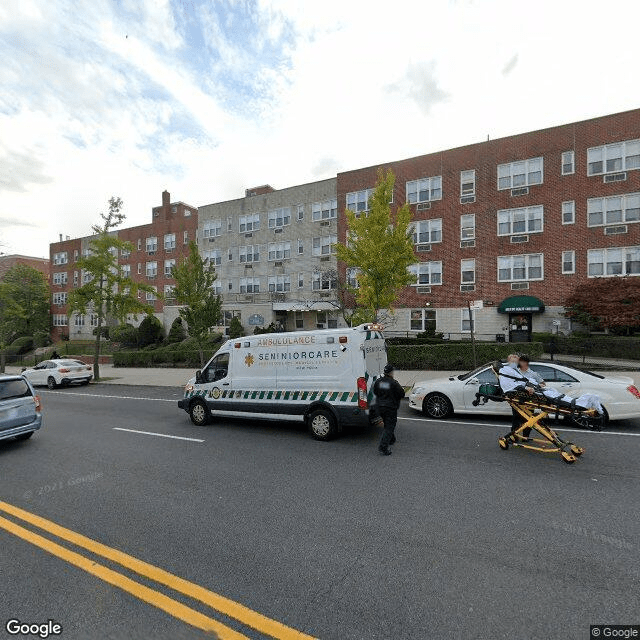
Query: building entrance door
(519, 327)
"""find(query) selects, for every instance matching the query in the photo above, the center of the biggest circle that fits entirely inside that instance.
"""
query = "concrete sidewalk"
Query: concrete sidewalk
(174, 377)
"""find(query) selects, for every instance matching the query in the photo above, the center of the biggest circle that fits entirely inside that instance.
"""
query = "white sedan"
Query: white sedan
(440, 397)
(55, 373)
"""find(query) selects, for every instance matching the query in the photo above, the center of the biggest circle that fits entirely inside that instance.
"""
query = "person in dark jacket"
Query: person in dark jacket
(388, 394)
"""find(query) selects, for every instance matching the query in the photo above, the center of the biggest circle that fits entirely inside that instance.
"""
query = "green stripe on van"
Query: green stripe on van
(344, 397)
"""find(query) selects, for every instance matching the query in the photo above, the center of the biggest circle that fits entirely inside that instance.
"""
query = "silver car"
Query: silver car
(20, 408)
(55, 373)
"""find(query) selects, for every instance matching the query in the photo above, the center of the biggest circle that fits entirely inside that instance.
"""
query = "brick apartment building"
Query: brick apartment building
(157, 246)
(516, 222)
(9, 261)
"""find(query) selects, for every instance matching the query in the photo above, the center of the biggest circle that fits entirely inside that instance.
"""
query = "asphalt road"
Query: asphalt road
(449, 537)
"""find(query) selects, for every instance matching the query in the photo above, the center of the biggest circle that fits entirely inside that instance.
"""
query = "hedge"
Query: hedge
(158, 357)
(454, 357)
(599, 347)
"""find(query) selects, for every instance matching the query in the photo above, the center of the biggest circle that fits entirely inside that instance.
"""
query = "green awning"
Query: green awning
(521, 304)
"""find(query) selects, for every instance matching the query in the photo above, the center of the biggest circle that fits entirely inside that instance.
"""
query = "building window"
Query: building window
(75, 255)
(227, 316)
(300, 280)
(185, 237)
(424, 190)
(427, 273)
(59, 298)
(324, 281)
(249, 285)
(214, 257)
(326, 320)
(230, 285)
(522, 220)
(229, 224)
(152, 244)
(139, 268)
(212, 229)
(126, 270)
(60, 320)
(86, 253)
(187, 213)
(568, 262)
(169, 291)
(75, 278)
(125, 253)
(468, 226)
(249, 223)
(324, 246)
(569, 212)
(624, 261)
(279, 284)
(352, 277)
(568, 163)
(78, 320)
(170, 241)
(621, 156)
(168, 268)
(523, 173)
(300, 211)
(217, 288)
(612, 210)
(152, 269)
(139, 244)
(230, 255)
(518, 268)
(279, 218)
(428, 231)
(324, 210)
(466, 321)
(279, 250)
(87, 277)
(468, 183)
(249, 253)
(300, 246)
(60, 278)
(299, 320)
(468, 271)
(358, 201)
(60, 258)
(152, 295)
(93, 319)
(423, 320)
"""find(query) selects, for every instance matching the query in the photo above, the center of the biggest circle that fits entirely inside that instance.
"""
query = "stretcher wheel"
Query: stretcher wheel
(568, 457)
(576, 450)
(503, 443)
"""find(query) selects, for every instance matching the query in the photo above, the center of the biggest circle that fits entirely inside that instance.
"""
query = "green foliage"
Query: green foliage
(182, 354)
(176, 332)
(23, 344)
(381, 247)
(202, 308)
(41, 339)
(270, 328)
(110, 294)
(125, 334)
(103, 331)
(452, 357)
(236, 329)
(150, 331)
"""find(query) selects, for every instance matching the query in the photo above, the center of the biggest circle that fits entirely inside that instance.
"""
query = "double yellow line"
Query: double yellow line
(246, 616)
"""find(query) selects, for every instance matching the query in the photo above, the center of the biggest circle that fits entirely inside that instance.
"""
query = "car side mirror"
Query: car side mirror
(474, 381)
(198, 377)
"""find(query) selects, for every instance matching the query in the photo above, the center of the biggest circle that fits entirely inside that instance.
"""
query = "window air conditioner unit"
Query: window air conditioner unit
(423, 206)
(518, 239)
(467, 199)
(325, 259)
(615, 177)
(614, 231)
(421, 248)
(212, 239)
(277, 264)
(519, 285)
(325, 294)
(325, 223)
(467, 287)
(423, 289)
(520, 191)
(151, 253)
(248, 235)
(279, 230)
(248, 265)
(465, 244)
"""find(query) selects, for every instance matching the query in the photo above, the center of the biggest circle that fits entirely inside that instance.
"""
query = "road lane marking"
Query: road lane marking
(140, 591)
(218, 602)
(497, 424)
(160, 435)
(99, 395)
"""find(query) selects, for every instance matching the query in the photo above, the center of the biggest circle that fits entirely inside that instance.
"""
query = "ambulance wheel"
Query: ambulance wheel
(199, 413)
(322, 424)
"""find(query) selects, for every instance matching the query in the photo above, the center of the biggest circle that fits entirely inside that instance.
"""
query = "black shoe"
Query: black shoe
(385, 451)
(393, 440)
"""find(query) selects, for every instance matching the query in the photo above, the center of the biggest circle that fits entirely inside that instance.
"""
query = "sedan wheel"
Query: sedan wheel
(51, 382)
(437, 405)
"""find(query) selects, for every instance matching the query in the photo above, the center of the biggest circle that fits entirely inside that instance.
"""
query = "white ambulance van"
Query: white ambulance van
(323, 377)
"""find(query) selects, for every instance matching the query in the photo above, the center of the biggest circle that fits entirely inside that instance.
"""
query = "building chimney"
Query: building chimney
(60, 237)
(166, 198)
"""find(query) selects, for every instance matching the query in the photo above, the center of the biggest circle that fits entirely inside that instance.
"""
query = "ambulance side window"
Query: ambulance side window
(218, 368)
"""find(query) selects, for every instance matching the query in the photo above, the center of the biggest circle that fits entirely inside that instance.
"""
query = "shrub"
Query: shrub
(23, 344)
(125, 334)
(177, 332)
(452, 357)
(41, 339)
(104, 332)
(149, 331)
(236, 329)
(270, 328)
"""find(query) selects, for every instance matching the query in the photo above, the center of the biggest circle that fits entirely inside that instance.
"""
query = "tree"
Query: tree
(202, 308)
(176, 332)
(605, 303)
(236, 330)
(380, 246)
(149, 331)
(109, 294)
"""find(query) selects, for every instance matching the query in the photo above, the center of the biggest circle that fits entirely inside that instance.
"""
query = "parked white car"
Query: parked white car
(440, 397)
(55, 373)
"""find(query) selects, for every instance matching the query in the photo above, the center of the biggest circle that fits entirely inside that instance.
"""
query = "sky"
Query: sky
(102, 98)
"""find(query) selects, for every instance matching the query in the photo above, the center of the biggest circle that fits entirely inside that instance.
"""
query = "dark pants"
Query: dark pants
(390, 418)
(517, 421)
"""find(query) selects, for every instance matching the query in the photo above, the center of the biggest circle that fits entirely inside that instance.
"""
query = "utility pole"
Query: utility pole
(473, 340)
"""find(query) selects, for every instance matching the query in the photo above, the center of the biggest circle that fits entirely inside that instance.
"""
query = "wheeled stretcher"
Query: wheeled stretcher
(534, 409)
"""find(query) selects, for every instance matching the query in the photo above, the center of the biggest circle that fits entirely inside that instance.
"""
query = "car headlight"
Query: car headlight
(417, 390)
(188, 388)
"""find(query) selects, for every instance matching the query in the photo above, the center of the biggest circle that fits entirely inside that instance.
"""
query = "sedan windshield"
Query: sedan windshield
(471, 374)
